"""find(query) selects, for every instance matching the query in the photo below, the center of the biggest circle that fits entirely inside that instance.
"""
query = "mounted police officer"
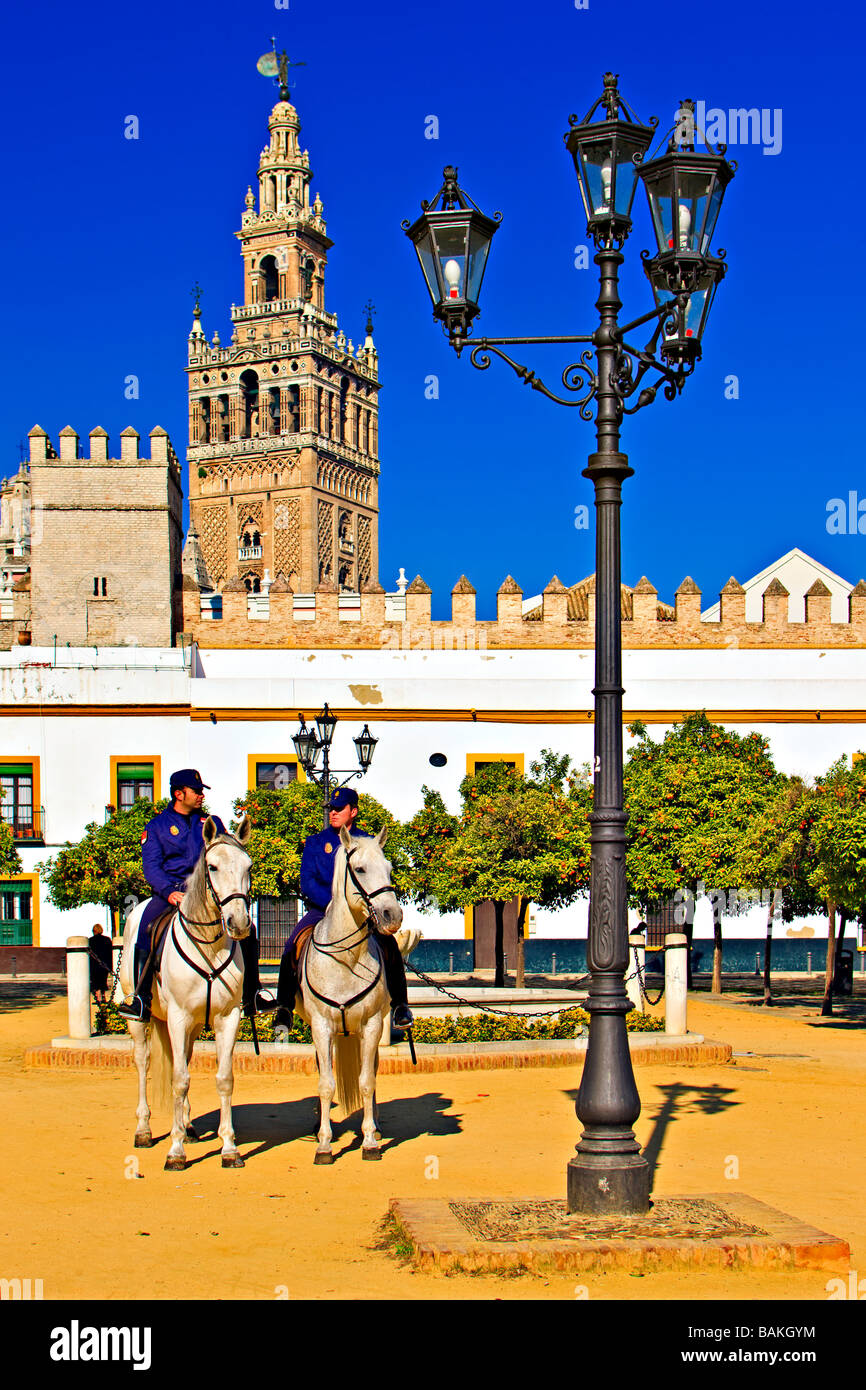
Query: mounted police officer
(317, 878)
(170, 849)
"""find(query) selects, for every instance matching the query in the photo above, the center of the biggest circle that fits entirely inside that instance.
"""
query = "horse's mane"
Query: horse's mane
(196, 884)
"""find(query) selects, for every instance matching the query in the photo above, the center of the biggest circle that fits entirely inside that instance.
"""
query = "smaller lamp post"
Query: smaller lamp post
(310, 747)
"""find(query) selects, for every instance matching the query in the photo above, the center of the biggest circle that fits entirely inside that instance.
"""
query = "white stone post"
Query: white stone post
(116, 953)
(636, 962)
(78, 986)
(676, 983)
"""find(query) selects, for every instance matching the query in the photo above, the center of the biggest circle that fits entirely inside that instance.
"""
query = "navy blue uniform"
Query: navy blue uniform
(317, 876)
(170, 849)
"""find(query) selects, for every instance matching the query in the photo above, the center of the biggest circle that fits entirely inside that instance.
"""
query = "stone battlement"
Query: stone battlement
(566, 619)
(42, 451)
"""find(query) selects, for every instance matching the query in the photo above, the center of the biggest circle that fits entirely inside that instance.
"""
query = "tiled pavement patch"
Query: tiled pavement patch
(538, 1235)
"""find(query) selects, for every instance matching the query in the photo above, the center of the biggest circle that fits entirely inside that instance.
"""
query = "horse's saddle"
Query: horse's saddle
(158, 934)
(300, 945)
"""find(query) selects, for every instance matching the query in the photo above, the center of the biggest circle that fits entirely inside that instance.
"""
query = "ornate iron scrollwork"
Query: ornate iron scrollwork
(576, 377)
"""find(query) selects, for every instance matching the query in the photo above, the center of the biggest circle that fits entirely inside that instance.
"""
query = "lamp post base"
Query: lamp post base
(608, 1185)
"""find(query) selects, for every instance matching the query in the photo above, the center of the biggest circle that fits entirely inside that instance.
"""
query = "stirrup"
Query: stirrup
(402, 1016)
(262, 1002)
(136, 1009)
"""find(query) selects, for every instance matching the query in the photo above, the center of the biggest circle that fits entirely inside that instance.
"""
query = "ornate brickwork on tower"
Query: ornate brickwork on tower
(283, 454)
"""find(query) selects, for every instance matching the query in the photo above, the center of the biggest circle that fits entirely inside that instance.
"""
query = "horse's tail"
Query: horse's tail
(347, 1069)
(161, 1066)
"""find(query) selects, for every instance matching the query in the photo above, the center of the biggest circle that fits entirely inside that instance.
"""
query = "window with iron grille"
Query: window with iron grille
(276, 919)
(16, 799)
(134, 780)
(660, 921)
(16, 914)
(276, 774)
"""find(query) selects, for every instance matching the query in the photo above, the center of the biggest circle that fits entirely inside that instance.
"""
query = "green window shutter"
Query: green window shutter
(135, 772)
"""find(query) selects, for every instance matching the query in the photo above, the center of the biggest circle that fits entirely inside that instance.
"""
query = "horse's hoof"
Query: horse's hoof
(233, 1161)
(323, 1158)
(175, 1165)
(192, 1134)
(143, 1141)
(371, 1153)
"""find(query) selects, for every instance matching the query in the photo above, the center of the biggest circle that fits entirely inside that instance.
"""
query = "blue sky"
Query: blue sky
(104, 237)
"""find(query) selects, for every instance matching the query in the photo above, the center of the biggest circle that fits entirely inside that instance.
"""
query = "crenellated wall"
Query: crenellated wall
(562, 622)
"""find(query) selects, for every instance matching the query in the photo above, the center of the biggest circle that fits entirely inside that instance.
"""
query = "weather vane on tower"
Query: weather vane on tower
(277, 65)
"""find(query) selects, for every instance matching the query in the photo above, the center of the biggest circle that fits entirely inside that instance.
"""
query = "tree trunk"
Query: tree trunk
(520, 973)
(499, 977)
(717, 952)
(827, 1004)
(768, 948)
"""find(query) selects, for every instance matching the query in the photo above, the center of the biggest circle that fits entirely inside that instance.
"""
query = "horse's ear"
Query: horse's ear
(382, 837)
(209, 832)
(244, 830)
(345, 838)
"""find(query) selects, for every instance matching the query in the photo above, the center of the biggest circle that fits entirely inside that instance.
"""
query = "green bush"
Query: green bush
(571, 1023)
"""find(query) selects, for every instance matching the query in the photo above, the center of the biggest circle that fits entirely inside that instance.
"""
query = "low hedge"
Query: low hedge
(571, 1023)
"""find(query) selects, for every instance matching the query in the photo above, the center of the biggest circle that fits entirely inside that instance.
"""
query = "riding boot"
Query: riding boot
(256, 999)
(139, 1005)
(395, 978)
(287, 988)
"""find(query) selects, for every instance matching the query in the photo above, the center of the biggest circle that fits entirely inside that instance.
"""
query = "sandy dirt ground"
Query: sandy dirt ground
(789, 1119)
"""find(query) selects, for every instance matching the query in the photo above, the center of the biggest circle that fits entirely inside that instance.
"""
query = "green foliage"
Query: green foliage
(778, 853)
(690, 801)
(838, 833)
(281, 822)
(10, 860)
(571, 1023)
(105, 865)
(514, 837)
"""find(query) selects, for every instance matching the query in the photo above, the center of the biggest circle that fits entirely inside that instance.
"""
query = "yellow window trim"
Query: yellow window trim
(153, 760)
(289, 759)
(37, 782)
(472, 760)
(33, 880)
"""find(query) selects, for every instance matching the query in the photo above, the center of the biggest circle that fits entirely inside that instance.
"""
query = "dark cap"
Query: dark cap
(342, 797)
(188, 777)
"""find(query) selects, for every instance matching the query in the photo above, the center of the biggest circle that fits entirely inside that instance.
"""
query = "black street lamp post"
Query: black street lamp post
(310, 746)
(685, 190)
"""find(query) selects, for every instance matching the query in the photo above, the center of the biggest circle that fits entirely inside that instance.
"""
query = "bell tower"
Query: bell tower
(283, 423)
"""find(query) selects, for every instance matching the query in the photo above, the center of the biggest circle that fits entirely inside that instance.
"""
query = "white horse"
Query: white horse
(200, 982)
(343, 994)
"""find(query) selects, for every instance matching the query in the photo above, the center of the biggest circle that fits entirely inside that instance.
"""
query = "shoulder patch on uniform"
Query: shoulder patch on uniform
(174, 830)
(202, 819)
(144, 837)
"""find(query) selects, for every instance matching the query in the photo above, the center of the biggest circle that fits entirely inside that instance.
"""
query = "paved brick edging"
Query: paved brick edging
(441, 1244)
(117, 1053)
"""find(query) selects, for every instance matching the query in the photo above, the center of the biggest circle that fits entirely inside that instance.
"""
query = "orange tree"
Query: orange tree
(779, 860)
(10, 860)
(514, 837)
(690, 799)
(281, 822)
(838, 833)
(105, 865)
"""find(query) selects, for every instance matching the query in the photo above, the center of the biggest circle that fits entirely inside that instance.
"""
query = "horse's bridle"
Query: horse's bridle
(220, 902)
(214, 973)
(363, 931)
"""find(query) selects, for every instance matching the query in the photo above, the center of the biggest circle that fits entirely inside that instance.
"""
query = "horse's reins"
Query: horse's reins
(334, 948)
(215, 972)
